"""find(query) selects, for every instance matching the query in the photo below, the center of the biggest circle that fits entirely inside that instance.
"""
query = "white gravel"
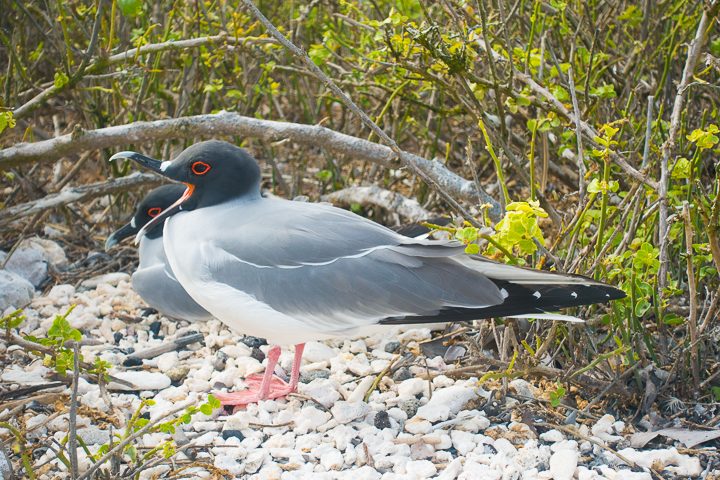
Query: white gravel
(408, 429)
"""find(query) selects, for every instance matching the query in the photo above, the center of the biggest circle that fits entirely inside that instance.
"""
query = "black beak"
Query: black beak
(117, 236)
(145, 161)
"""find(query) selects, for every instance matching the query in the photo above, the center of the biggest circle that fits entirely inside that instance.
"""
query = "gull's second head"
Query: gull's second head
(154, 203)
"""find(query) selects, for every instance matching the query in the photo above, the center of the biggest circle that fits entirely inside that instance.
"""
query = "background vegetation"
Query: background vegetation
(604, 113)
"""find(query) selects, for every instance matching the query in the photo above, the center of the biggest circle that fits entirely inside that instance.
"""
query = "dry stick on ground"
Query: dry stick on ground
(408, 208)
(229, 123)
(405, 158)
(696, 47)
(77, 194)
(132, 54)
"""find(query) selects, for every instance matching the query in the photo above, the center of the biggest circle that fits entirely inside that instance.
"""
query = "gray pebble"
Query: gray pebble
(402, 374)
(392, 347)
(410, 406)
(307, 377)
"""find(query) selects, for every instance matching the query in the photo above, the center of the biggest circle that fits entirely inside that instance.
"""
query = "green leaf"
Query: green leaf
(319, 54)
(6, 120)
(213, 401)
(681, 169)
(60, 79)
(472, 249)
(130, 8)
(324, 175)
(206, 409)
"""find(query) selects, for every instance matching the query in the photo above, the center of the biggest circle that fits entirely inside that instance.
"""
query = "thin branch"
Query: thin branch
(76, 194)
(578, 135)
(233, 124)
(692, 57)
(72, 419)
(404, 157)
(408, 208)
(132, 54)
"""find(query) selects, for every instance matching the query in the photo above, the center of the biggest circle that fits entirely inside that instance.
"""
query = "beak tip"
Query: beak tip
(124, 155)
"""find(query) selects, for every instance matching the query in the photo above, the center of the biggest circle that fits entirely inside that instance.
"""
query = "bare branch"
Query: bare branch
(373, 195)
(76, 194)
(230, 123)
(692, 57)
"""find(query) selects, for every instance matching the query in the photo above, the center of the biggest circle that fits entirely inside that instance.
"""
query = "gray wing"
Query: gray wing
(334, 270)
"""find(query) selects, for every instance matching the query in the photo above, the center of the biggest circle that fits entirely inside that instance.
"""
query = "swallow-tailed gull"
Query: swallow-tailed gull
(292, 272)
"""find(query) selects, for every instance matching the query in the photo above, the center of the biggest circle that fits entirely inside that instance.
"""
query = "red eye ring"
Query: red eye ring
(200, 168)
(154, 211)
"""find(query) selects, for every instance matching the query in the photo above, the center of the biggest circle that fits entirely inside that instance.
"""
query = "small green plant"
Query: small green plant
(556, 396)
(518, 232)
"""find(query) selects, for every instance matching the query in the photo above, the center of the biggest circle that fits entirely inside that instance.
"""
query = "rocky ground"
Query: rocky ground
(368, 408)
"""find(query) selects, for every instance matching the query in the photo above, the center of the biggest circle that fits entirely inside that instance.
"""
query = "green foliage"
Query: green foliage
(518, 231)
(6, 121)
(556, 396)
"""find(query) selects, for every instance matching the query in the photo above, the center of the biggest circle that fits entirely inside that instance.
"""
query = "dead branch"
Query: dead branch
(693, 55)
(230, 123)
(408, 208)
(76, 194)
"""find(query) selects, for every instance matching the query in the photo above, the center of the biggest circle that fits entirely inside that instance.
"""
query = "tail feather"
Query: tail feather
(526, 298)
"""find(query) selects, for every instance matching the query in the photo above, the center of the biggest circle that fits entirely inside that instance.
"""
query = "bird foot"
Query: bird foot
(278, 388)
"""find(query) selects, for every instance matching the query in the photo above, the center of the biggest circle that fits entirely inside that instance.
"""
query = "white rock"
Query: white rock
(359, 392)
(322, 390)
(522, 387)
(463, 442)
(93, 435)
(108, 278)
(420, 469)
(27, 263)
(332, 460)
(229, 462)
(15, 291)
(475, 471)
(668, 459)
(563, 464)
(603, 428)
(446, 402)
(141, 380)
(33, 375)
(413, 386)
(317, 352)
(552, 436)
(167, 361)
(418, 425)
(345, 412)
(451, 471)
(365, 472)
(51, 252)
(309, 419)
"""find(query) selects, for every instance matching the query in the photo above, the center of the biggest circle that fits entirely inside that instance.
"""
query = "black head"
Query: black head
(150, 207)
(213, 171)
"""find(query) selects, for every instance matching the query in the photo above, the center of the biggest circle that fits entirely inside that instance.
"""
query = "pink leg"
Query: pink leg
(266, 386)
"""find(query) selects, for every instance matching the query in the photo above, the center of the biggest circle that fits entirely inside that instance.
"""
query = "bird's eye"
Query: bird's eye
(154, 211)
(200, 168)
